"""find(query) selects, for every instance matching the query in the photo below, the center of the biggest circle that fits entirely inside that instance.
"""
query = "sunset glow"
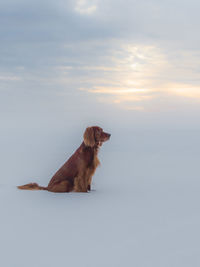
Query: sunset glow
(139, 74)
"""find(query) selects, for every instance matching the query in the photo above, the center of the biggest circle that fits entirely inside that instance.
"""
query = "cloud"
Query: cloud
(140, 73)
(128, 54)
(9, 78)
(85, 7)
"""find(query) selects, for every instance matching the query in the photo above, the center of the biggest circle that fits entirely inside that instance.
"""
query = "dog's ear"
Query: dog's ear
(89, 137)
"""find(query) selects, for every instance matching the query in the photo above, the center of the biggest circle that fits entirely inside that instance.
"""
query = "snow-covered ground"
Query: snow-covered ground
(143, 210)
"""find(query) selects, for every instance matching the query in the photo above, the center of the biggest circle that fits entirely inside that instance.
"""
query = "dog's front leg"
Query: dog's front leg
(80, 184)
(89, 183)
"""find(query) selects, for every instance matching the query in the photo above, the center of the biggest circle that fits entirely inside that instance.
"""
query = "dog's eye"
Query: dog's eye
(98, 133)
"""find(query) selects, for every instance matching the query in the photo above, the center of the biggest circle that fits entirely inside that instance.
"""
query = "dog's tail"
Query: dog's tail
(31, 186)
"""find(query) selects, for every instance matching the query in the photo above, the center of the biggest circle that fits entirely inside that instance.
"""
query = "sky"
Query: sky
(90, 59)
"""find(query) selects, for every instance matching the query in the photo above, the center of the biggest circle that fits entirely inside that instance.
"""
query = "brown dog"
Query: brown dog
(76, 174)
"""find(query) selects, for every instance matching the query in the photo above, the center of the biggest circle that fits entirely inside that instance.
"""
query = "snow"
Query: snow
(143, 210)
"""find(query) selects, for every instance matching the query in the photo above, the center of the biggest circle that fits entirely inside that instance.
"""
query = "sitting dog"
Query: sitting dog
(76, 174)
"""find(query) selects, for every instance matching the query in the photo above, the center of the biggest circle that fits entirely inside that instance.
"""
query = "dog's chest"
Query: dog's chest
(95, 162)
(91, 159)
(92, 166)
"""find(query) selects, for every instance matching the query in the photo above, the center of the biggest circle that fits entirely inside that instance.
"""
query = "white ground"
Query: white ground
(143, 212)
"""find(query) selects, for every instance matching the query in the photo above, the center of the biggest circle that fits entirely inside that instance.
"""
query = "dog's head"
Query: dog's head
(95, 136)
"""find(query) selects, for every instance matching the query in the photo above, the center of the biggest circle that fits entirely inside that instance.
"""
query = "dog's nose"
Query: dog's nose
(109, 135)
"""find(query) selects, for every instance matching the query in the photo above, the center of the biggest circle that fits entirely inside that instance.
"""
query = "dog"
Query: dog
(77, 172)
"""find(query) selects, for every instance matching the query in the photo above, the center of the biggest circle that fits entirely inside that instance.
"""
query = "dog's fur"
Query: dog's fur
(76, 174)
